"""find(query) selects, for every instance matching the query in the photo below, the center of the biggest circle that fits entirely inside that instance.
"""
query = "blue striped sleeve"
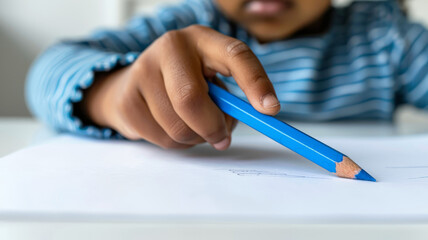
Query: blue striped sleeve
(56, 80)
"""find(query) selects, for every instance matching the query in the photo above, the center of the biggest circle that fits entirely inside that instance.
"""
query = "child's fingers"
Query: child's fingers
(230, 123)
(156, 97)
(232, 57)
(137, 123)
(188, 92)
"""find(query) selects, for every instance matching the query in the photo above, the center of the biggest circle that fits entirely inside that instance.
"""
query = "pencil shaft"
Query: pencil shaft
(279, 131)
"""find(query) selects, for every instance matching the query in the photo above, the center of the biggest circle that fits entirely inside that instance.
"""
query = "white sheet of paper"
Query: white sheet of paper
(78, 178)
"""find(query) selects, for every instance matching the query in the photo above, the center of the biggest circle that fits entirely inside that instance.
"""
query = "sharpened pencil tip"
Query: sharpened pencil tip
(363, 175)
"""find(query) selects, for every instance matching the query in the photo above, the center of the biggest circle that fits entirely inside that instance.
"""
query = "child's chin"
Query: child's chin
(271, 32)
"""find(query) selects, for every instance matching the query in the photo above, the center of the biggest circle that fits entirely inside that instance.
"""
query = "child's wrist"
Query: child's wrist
(96, 104)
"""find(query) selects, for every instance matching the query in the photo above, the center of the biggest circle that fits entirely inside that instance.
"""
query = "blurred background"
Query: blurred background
(28, 27)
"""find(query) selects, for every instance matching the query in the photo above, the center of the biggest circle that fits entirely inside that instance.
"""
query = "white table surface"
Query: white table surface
(17, 133)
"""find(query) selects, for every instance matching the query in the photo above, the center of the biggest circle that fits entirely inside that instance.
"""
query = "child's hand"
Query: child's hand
(163, 97)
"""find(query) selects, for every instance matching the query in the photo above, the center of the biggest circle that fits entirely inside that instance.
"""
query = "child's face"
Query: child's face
(270, 20)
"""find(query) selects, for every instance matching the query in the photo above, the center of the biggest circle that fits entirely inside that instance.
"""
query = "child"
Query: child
(300, 59)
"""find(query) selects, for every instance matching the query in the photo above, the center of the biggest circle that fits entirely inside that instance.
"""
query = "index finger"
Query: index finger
(232, 57)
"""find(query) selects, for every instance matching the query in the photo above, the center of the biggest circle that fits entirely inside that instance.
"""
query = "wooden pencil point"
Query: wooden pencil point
(347, 168)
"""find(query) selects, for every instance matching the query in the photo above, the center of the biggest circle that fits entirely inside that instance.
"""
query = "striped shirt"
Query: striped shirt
(371, 60)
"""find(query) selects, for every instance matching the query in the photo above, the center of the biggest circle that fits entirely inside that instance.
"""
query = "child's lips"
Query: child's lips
(267, 7)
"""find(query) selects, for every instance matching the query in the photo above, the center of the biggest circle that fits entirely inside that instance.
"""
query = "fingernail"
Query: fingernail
(222, 145)
(269, 101)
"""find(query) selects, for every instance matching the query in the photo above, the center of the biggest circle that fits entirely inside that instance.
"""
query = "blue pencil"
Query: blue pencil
(288, 136)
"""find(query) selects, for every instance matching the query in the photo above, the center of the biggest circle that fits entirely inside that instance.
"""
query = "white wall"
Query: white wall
(29, 26)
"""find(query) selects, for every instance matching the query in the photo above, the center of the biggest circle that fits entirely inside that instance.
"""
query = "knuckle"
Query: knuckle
(236, 48)
(169, 143)
(138, 67)
(195, 27)
(181, 133)
(188, 95)
(170, 38)
(256, 79)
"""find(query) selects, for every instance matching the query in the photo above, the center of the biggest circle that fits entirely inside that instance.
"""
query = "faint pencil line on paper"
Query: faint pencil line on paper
(411, 167)
(251, 172)
(422, 177)
(407, 167)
